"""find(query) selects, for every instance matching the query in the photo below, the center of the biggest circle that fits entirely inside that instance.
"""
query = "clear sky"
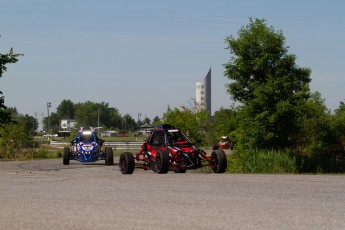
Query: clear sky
(142, 55)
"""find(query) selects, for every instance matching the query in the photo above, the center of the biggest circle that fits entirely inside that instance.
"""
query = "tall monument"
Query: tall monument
(203, 93)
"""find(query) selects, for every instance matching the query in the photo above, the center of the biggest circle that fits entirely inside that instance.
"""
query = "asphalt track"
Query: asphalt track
(45, 194)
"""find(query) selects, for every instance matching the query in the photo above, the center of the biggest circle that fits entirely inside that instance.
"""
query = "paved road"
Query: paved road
(44, 194)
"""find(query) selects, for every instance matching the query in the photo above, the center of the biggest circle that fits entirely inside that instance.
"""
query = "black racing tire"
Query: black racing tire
(180, 170)
(231, 146)
(109, 156)
(66, 155)
(162, 161)
(126, 163)
(215, 147)
(220, 161)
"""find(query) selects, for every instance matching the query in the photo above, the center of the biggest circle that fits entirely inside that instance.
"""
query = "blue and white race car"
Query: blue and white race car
(87, 147)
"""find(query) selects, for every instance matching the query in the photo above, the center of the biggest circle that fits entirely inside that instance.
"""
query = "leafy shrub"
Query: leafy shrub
(13, 140)
(320, 162)
(261, 161)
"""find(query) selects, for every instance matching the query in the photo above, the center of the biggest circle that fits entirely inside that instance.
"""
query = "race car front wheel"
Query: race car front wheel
(162, 161)
(109, 156)
(219, 160)
(126, 163)
(66, 155)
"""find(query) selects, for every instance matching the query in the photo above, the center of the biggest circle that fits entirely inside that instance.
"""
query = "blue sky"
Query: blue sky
(142, 56)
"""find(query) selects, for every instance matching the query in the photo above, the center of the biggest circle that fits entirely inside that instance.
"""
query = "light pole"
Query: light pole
(49, 104)
(139, 115)
(98, 122)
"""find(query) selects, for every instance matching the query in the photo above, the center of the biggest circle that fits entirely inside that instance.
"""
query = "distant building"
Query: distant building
(109, 133)
(203, 93)
(67, 124)
(144, 130)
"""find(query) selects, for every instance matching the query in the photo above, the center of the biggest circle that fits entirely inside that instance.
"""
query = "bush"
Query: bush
(261, 161)
(13, 141)
(320, 162)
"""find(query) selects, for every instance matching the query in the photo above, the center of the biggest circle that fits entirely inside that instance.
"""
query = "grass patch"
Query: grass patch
(261, 161)
(31, 153)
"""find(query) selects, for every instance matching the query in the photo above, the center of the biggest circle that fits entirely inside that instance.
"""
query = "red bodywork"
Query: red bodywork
(147, 154)
(224, 142)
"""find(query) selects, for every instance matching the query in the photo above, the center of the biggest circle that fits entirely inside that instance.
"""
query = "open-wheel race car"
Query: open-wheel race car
(169, 149)
(224, 143)
(87, 147)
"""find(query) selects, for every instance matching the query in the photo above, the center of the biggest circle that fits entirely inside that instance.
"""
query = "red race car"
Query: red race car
(224, 143)
(169, 149)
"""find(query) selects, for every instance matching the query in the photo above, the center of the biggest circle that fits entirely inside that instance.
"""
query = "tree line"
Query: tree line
(92, 114)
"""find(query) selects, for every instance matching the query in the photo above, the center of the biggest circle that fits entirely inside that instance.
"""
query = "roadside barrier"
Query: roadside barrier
(124, 145)
(114, 145)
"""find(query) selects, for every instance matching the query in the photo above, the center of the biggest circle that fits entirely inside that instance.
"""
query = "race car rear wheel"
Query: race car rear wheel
(219, 160)
(109, 156)
(162, 161)
(126, 163)
(66, 155)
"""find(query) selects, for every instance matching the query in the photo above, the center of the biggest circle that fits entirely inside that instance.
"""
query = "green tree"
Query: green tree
(147, 120)
(86, 114)
(269, 85)
(13, 140)
(28, 123)
(54, 123)
(340, 109)
(315, 126)
(339, 121)
(321, 138)
(5, 59)
(128, 123)
(115, 119)
(156, 120)
(5, 117)
(66, 109)
(338, 128)
(89, 113)
(225, 123)
(192, 123)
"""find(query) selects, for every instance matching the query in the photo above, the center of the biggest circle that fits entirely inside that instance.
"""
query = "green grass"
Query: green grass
(261, 161)
(40, 153)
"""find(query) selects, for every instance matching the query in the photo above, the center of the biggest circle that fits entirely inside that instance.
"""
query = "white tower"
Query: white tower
(203, 93)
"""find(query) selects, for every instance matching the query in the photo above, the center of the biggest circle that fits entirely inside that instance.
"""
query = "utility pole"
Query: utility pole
(49, 104)
(98, 122)
(34, 123)
(42, 122)
(139, 115)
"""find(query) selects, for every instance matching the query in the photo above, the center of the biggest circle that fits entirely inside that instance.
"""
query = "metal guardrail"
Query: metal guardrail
(114, 145)
(124, 145)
